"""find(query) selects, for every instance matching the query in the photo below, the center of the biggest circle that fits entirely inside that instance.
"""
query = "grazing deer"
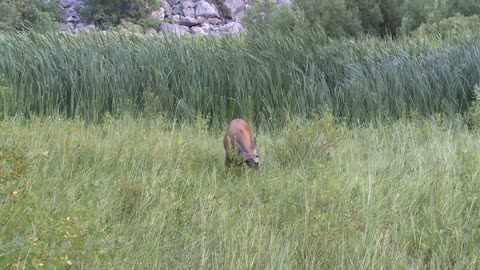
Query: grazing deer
(239, 138)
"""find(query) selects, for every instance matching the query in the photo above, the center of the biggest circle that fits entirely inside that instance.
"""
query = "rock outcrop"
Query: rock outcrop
(234, 8)
(180, 17)
(201, 17)
(73, 22)
(206, 10)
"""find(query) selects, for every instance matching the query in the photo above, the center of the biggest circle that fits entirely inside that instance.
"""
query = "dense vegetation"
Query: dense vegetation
(149, 193)
(337, 18)
(262, 78)
(21, 15)
(110, 13)
(355, 18)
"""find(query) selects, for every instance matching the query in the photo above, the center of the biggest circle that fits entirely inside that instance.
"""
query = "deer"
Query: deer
(238, 138)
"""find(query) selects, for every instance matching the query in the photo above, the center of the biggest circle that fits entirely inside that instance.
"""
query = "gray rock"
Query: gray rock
(188, 8)
(188, 4)
(168, 9)
(177, 10)
(73, 19)
(200, 17)
(187, 21)
(206, 10)
(214, 21)
(71, 12)
(201, 20)
(67, 9)
(200, 30)
(158, 15)
(239, 16)
(175, 18)
(231, 28)
(90, 27)
(173, 2)
(173, 28)
(233, 7)
(189, 12)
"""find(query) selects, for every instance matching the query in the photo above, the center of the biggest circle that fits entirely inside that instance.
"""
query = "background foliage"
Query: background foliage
(374, 17)
(22, 15)
(110, 13)
(336, 18)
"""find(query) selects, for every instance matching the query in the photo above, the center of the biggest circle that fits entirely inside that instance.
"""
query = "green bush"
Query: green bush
(450, 26)
(282, 19)
(336, 18)
(110, 13)
(348, 18)
(473, 115)
(4, 94)
(28, 15)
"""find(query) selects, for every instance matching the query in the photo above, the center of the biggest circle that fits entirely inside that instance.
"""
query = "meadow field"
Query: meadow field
(111, 153)
(146, 193)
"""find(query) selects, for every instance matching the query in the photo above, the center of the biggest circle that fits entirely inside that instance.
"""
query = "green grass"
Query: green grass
(261, 78)
(148, 193)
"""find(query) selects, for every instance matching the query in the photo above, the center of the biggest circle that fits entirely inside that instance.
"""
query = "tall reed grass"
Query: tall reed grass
(261, 78)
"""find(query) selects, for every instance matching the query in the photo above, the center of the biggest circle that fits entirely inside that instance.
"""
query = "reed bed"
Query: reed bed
(261, 78)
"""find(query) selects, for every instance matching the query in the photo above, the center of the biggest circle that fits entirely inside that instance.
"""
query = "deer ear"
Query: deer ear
(254, 145)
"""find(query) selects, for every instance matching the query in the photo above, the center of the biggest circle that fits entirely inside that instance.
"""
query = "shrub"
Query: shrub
(473, 115)
(28, 15)
(263, 17)
(110, 13)
(4, 91)
(337, 18)
(449, 26)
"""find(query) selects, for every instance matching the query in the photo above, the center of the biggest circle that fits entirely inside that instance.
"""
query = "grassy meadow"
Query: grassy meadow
(111, 152)
(147, 193)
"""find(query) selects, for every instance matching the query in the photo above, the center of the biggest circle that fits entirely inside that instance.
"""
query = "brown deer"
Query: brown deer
(239, 137)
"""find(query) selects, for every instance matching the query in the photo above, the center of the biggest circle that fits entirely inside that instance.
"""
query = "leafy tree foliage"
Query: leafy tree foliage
(351, 18)
(108, 13)
(332, 16)
(21, 15)
(451, 25)
(464, 7)
(336, 18)
(370, 16)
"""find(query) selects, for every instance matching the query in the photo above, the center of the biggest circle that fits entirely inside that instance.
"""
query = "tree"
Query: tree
(337, 17)
(370, 15)
(22, 15)
(463, 7)
(450, 26)
(391, 16)
(111, 12)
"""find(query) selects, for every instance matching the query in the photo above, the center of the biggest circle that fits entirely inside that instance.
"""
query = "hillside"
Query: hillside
(345, 18)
